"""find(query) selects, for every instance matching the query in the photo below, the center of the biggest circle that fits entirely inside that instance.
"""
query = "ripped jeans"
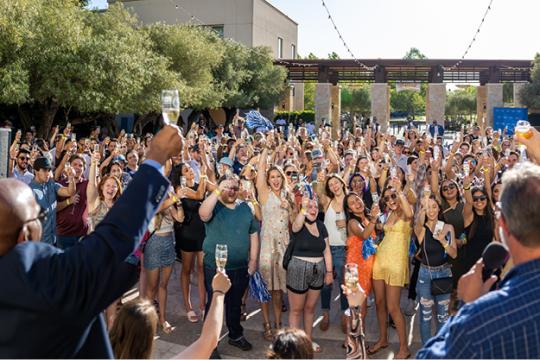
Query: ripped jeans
(426, 300)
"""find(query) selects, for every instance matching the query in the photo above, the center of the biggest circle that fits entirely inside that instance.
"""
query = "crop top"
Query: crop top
(307, 245)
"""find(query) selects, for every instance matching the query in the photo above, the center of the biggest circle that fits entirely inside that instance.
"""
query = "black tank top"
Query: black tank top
(307, 245)
(436, 256)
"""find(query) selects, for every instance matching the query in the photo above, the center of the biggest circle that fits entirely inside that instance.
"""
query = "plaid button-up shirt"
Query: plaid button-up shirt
(501, 324)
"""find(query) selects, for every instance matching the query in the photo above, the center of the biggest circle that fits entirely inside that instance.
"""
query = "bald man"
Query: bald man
(50, 300)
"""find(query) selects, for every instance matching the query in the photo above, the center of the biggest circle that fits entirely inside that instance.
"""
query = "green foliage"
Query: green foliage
(333, 56)
(414, 53)
(55, 54)
(530, 93)
(508, 92)
(461, 103)
(296, 116)
(356, 99)
(407, 100)
(309, 95)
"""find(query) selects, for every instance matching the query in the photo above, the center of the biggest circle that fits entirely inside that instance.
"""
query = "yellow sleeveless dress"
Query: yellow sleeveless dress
(392, 260)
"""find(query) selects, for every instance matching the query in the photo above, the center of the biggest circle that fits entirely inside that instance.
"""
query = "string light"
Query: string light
(472, 41)
(361, 64)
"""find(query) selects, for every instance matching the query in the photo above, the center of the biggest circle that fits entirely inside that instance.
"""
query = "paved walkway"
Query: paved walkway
(168, 345)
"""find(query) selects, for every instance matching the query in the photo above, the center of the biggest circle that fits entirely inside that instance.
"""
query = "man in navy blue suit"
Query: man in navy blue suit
(50, 300)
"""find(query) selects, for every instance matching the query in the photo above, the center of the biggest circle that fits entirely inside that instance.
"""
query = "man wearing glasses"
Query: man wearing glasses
(20, 171)
(45, 191)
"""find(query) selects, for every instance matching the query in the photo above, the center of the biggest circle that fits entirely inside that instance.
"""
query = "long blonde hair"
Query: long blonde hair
(133, 331)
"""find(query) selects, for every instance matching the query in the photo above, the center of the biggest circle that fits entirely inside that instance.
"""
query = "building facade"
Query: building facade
(250, 22)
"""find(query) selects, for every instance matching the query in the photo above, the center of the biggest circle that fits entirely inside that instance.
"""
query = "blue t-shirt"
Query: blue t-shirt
(45, 195)
(231, 227)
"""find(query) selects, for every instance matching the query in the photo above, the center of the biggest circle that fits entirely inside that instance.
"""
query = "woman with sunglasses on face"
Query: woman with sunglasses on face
(479, 221)
(276, 210)
(310, 267)
(391, 267)
(331, 196)
(360, 246)
(436, 240)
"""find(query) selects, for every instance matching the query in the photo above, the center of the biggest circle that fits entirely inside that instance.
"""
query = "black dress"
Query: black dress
(477, 241)
(190, 234)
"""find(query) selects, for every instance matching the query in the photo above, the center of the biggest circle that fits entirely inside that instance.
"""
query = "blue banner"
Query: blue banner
(508, 117)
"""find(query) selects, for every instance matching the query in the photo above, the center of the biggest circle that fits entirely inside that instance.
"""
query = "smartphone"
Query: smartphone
(68, 125)
(73, 137)
(439, 227)
(96, 148)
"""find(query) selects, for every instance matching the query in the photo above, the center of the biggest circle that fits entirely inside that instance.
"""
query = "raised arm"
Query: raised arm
(92, 193)
(260, 182)
(468, 215)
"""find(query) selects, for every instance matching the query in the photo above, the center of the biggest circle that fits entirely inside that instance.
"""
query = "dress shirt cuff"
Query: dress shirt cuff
(155, 165)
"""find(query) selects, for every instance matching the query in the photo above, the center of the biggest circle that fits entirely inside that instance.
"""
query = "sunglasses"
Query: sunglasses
(449, 187)
(479, 198)
(24, 158)
(387, 198)
(290, 173)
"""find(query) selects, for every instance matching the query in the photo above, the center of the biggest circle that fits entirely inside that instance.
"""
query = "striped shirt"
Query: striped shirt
(501, 324)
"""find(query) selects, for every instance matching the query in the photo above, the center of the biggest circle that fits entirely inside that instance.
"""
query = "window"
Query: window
(279, 48)
(218, 29)
(293, 51)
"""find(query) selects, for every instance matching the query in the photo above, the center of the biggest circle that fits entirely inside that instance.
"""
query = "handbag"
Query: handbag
(287, 256)
(440, 286)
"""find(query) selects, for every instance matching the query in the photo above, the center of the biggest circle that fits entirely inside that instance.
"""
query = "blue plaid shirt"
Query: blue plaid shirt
(501, 324)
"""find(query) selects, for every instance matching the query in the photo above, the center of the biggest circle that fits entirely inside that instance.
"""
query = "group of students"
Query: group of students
(295, 206)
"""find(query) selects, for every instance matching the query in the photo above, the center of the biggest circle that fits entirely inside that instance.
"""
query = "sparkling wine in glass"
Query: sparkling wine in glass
(221, 256)
(351, 276)
(170, 106)
(523, 129)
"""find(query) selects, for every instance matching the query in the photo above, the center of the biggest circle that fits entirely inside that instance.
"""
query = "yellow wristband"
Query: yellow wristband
(175, 199)
(67, 202)
(303, 211)
(217, 192)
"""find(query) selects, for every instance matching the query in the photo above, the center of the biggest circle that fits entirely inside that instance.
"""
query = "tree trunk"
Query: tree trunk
(48, 112)
(229, 115)
(25, 116)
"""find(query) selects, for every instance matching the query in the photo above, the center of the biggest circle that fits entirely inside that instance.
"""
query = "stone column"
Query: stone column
(323, 103)
(336, 111)
(286, 103)
(518, 101)
(494, 94)
(435, 103)
(380, 104)
(481, 103)
(298, 96)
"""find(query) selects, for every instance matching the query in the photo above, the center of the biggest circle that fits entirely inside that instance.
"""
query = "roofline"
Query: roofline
(410, 62)
(279, 11)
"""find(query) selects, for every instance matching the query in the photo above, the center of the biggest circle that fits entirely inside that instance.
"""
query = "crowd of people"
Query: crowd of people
(299, 205)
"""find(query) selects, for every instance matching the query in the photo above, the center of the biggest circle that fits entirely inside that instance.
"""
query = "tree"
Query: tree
(355, 99)
(309, 95)
(530, 93)
(414, 53)
(333, 56)
(407, 101)
(461, 103)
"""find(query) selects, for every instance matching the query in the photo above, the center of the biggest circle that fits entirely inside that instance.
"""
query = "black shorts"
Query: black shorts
(304, 275)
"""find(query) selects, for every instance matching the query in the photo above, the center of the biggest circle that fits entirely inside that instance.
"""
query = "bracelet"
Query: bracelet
(446, 246)
(254, 202)
(217, 192)
(467, 188)
(329, 271)
(67, 202)
(174, 198)
(218, 291)
(303, 211)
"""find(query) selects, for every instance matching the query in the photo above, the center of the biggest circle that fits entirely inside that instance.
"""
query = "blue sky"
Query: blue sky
(439, 28)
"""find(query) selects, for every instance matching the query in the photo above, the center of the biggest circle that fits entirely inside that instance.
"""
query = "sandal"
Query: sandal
(268, 334)
(402, 357)
(316, 347)
(192, 316)
(373, 350)
(325, 323)
(277, 327)
(167, 328)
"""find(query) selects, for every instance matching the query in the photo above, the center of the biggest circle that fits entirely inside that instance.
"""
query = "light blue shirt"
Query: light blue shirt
(26, 176)
(45, 195)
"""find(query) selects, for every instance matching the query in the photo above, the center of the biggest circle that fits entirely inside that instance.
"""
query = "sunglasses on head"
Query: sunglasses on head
(387, 198)
(479, 198)
(449, 187)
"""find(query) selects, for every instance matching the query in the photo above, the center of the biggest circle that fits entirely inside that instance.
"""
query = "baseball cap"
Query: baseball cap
(119, 158)
(400, 142)
(226, 161)
(42, 163)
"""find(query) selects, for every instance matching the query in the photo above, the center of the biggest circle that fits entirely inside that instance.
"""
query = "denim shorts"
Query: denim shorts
(159, 252)
(304, 275)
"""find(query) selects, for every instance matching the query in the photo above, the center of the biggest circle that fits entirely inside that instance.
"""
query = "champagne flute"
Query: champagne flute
(221, 256)
(170, 106)
(351, 276)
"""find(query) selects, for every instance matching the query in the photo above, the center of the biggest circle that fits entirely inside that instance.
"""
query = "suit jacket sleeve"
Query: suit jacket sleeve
(93, 274)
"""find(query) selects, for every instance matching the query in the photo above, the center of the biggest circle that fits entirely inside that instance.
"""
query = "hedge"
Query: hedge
(295, 116)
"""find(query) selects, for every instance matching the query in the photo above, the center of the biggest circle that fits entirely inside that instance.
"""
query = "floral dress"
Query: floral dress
(274, 241)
